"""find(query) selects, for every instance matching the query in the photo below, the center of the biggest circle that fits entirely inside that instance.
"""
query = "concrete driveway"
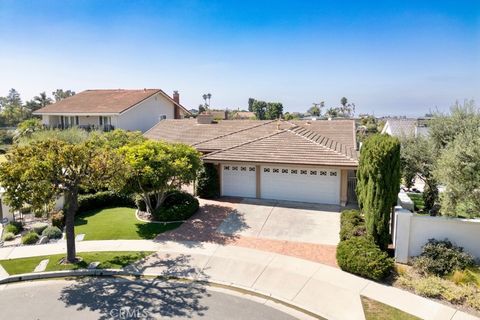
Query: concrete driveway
(282, 220)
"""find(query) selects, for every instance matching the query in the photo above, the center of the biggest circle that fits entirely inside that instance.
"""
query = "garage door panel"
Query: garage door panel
(317, 185)
(239, 180)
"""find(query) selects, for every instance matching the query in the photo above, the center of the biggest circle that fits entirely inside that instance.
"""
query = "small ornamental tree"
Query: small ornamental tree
(378, 183)
(39, 171)
(154, 168)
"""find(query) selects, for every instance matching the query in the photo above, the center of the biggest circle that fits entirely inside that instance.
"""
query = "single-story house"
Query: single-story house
(405, 128)
(108, 109)
(308, 161)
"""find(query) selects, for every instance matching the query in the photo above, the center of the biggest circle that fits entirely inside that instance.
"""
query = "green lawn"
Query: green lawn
(375, 310)
(117, 223)
(107, 259)
(417, 199)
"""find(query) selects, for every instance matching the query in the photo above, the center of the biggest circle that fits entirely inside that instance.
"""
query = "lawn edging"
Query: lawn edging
(152, 221)
(123, 273)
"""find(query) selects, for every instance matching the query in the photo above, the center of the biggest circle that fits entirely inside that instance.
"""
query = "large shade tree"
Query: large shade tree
(378, 183)
(419, 158)
(55, 163)
(459, 169)
(154, 168)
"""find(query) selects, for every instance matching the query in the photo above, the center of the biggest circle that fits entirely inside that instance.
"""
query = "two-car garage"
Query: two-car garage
(293, 183)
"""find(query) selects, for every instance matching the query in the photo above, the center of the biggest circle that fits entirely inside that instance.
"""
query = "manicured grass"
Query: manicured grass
(417, 199)
(107, 259)
(117, 223)
(375, 310)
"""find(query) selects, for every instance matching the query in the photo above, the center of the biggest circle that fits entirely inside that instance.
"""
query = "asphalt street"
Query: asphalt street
(109, 298)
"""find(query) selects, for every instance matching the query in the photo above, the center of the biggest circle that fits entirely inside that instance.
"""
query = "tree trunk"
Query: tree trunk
(71, 204)
(161, 196)
(148, 203)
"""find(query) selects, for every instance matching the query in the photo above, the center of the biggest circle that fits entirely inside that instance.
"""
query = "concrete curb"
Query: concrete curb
(120, 272)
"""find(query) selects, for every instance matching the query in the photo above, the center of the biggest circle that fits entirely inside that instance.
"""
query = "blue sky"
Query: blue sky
(388, 57)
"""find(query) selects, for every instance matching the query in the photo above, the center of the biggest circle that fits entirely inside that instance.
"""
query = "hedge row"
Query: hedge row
(357, 253)
(352, 224)
(104, 199)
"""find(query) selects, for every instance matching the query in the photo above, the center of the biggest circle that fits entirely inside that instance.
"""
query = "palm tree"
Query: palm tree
(209, 95)
(42, 99)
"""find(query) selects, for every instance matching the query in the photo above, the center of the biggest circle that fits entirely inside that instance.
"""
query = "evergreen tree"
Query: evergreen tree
(378, 183)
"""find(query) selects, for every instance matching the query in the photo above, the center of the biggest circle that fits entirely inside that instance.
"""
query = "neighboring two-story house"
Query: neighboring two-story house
(109, 109)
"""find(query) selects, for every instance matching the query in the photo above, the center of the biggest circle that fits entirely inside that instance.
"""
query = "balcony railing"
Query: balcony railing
(86, 127)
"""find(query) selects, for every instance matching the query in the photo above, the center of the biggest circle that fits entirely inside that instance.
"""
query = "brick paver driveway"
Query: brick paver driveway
(306, 231)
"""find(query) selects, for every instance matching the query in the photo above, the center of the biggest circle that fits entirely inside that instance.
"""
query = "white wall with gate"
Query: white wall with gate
(412, 232)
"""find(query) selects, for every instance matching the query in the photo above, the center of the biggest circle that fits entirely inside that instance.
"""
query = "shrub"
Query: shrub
(38, 227)
(52, 233)
(352, 224)
(464, 277)
(58, 219)
(103, 199)
(436, 287)
(8, 236)
(39, 213)
(431, 287)
(14, 227)
(441, 258)
(177, 206)
(360, 255)
(208, 185)
(30, 238)
(25, 209)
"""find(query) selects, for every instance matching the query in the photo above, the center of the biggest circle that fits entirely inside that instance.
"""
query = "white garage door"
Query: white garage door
(239, 180)
(319, 185)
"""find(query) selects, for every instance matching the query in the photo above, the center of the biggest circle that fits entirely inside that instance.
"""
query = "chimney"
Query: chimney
(176, 96)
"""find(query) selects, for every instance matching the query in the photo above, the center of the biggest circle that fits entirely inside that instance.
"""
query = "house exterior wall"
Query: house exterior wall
(146, 114)
(412, 232)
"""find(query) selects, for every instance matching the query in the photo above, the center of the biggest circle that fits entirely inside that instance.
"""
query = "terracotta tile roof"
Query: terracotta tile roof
(238, 137)
(189, 132)
(290, 146)
(296, 142)
(102, 101)
(342, 131)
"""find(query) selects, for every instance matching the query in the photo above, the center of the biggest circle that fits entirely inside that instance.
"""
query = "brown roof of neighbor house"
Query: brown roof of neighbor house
(103, 101)
(244, 115)
(325, 142)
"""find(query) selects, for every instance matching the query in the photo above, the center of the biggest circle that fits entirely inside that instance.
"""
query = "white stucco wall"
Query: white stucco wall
(413, 231)
(146, 114)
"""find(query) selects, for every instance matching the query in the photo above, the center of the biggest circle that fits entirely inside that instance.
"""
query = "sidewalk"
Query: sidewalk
(323, 290)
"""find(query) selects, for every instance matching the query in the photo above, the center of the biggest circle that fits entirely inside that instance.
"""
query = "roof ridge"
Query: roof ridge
(248, 142)
(234, 132)
(326, 142)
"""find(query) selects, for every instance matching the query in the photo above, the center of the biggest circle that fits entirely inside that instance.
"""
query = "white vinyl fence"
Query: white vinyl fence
(412, 231)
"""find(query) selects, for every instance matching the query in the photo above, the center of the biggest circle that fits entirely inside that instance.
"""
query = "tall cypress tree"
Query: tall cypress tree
(378, 184)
